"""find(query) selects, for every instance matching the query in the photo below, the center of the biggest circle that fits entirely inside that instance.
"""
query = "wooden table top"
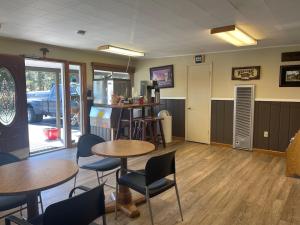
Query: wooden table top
(123, 148)
(34, 175)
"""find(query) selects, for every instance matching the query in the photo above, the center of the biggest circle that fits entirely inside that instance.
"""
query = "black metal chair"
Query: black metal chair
(81, 209)
(151, 181)
(84, 146)
(10, 202)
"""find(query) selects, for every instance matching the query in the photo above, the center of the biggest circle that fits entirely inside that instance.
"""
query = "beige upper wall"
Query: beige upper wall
(19, 47)
(222, 86)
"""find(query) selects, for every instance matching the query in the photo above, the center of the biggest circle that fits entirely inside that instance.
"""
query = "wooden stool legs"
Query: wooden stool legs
(152, 125)
(161, 130)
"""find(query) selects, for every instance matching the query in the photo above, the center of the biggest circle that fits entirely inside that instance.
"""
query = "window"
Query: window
(102, 74)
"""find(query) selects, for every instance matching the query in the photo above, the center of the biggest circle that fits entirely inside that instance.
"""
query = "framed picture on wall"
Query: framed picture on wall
(245, 73)
(164, 76)
(289, 76)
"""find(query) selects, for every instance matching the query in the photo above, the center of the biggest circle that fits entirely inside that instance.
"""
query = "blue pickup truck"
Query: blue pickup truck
(43, 103)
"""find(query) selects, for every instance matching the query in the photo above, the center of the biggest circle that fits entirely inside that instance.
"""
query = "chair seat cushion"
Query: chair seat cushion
(11, 201)
(103, 164)
(137, 182)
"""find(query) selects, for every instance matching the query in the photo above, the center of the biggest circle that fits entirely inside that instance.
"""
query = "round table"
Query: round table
(32, 176)
(124, 149)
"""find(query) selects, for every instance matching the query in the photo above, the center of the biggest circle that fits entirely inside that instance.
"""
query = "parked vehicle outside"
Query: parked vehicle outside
(43, 103)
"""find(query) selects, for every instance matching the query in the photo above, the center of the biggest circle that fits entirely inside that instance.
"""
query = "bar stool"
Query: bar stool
(125, 121)
(157, 124)
(141, 125)
(161, 135)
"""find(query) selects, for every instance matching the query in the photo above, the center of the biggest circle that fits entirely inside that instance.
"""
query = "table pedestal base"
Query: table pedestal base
(129, 209)
(32, 205)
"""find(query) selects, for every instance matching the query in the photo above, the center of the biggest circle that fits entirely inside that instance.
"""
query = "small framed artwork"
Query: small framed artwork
(289, 76)
(246, 73)
(164, 75)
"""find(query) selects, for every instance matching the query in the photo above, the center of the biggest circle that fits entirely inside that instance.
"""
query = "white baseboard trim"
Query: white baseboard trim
(172, 97)
(276, 100)
(225, 99)
(261, 99)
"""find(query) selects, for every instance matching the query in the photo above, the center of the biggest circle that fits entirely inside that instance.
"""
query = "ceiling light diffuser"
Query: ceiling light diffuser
(120, 51)
(233, 35)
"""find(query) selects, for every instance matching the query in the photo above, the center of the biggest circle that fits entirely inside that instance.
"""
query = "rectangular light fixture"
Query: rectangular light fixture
(120, 51)
(233, 35)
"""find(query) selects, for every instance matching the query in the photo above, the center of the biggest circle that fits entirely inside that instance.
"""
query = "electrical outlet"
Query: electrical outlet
(266, 134)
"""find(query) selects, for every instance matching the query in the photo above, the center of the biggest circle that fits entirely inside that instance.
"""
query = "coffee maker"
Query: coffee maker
(150, 91)
(153, 92)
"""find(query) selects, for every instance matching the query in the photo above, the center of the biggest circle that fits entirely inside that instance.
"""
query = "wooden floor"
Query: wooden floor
(217, 185)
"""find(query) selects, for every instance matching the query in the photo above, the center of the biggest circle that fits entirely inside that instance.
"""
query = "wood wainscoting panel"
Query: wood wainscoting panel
(294, 118)
(177, 109)
(280, 119)
(284, 127)
(228, 122)
(263, 124)
(222, 121)
(274, 125)
(213, 124)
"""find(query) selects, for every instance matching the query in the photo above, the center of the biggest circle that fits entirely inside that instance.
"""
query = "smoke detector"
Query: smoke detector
(81, 32)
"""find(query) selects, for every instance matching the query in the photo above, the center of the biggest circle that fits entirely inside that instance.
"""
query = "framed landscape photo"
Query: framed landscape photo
(289, 76)
(164, 75)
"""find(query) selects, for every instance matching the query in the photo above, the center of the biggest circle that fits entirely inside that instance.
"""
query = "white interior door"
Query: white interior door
(198, 103)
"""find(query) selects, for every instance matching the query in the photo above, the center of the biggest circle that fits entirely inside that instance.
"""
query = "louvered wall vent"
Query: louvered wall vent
(243, 116)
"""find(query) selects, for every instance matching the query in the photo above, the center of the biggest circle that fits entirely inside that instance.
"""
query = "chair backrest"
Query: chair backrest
(6, 158)
(81, 209)
(85, 144)
(159, 167)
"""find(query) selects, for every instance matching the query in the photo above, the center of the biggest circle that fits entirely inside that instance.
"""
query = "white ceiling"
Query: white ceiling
(157, 27)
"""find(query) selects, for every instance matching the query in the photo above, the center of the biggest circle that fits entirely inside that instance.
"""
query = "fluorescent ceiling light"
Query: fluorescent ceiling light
(120, 51)
(233, 35)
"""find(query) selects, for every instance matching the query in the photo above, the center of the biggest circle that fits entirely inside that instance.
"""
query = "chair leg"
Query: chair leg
(98, 178)
(104, 219)
(41, 202)
(149, 204)
(7, 221)
(116, 201)
(178, 200)
(75, 179)
(21, 211)
(102, 177)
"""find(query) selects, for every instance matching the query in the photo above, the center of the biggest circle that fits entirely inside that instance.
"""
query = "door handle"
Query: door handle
(189, 108)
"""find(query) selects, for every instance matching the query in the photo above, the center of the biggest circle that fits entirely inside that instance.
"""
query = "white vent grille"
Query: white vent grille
(243, 116)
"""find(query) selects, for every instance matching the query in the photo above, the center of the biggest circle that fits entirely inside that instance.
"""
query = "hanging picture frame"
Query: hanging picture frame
(246, 73)
(163, 75)
(289, 76)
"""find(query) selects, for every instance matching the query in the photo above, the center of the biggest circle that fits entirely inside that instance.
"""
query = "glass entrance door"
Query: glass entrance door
(76, 100)
(45, 105)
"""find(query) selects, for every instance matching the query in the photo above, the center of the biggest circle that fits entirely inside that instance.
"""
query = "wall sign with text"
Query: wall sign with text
(246, 73)
(199, 58)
